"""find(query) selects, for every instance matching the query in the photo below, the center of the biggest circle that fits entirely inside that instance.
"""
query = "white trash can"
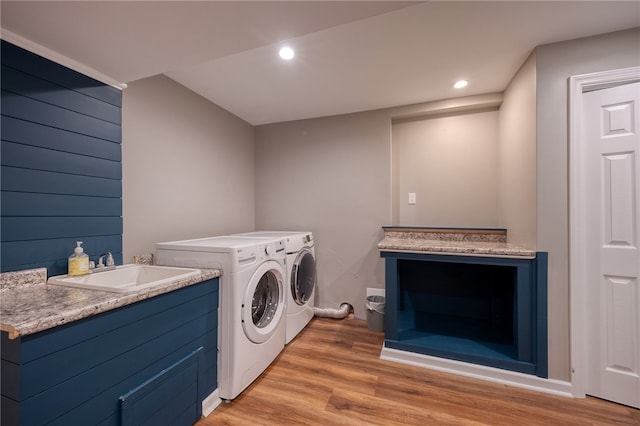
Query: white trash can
(375, 313)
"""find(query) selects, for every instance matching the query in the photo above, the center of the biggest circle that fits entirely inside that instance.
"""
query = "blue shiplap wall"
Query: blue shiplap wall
(61, 172)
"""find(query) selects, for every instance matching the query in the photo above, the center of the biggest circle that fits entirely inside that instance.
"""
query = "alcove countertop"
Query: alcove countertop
(452, 241)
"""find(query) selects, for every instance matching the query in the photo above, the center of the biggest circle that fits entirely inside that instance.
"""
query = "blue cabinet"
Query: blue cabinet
(484, 310)
(155, 359)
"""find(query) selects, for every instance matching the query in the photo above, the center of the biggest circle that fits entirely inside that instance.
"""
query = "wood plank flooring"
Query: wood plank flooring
(331, 374)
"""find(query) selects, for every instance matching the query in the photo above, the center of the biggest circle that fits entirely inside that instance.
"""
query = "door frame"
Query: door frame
(579, 84)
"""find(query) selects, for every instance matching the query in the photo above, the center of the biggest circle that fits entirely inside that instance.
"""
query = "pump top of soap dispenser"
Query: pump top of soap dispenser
(78, 261)
(78, 250)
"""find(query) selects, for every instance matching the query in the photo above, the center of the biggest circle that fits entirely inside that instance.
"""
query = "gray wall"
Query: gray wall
(555, 64)
(451, 164)
(330, 176)
(517, 157)
(187, 167)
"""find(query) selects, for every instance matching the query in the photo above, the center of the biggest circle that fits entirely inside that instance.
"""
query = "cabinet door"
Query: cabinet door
(168, 398)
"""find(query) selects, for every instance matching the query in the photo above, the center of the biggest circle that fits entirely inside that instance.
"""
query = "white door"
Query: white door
(612, 219)
(263, 302)
(303, 277)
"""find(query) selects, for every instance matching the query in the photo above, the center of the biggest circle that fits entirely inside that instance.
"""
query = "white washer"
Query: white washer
(251, 327)
(300, 278)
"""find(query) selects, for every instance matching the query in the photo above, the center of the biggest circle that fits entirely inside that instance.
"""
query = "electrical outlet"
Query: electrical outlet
(412, 198)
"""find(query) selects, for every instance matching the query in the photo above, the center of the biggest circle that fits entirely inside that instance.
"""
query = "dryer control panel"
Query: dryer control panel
(297, 242)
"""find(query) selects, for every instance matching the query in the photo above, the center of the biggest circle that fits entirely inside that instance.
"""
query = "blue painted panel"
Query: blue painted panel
(528, 354)
(27, 204)
(541, 282)
(105, 405)
(43, 251)
(161, 399)
(210, 379)
(10, 348)
(91, 397)
(471, 260)
(29, 86)
(15, 179)
(17, 106)
(525, 298)
(38, 66)
(183, 408)
(34, 134)
(53, 340)
(40, 228)
(54, 267)
(57, 141)
(9, 415)
(30, 157)
(114, 377)
(92, 353)
(10, 383)
(392, 291)
(112, 420)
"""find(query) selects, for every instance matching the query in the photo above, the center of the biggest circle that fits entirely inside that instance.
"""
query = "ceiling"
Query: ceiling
(350, 55)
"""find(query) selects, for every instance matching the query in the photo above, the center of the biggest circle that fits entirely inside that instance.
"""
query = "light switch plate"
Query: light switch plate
(412, 198)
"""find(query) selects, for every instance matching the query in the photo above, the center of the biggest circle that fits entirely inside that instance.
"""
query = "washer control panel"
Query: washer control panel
(260, 252)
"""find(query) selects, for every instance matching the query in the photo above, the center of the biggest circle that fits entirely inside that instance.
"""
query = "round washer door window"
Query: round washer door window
(263, 303)
(303, 277)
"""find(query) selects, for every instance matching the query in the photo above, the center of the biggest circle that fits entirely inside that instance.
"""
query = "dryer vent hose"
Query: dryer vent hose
(339, 313)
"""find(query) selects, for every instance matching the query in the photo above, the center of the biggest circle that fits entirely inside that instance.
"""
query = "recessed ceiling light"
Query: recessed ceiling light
(287, 53)
(460, 84)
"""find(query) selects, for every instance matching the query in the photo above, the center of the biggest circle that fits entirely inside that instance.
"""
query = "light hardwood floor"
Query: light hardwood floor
(331, 374)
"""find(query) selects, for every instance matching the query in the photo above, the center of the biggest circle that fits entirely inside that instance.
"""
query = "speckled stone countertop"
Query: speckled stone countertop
(468, 242)
(28, 305)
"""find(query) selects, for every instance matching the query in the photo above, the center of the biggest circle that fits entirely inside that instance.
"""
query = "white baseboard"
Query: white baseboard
(210, 403)
(496, 375)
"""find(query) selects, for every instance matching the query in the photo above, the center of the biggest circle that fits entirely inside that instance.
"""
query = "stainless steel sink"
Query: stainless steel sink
(126, 278)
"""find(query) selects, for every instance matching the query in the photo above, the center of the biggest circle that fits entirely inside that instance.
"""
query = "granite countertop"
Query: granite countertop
(468, 242)
(29, 305)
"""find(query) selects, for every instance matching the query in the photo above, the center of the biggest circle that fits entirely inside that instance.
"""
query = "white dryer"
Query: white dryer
(300, 278)
(251, 327)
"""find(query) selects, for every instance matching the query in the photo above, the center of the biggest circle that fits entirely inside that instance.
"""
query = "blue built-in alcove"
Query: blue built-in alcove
(489, 311)
(61, 164)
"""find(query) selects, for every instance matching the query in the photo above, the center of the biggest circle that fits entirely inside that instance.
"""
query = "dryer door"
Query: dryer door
(303, 277)
(263, 302)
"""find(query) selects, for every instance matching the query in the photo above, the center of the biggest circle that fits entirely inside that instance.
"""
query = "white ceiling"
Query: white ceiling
(350, 55)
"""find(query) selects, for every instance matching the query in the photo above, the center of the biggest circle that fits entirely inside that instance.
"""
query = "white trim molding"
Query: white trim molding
(578, 85)
(490, 374)
(211, 402)
(56, 57)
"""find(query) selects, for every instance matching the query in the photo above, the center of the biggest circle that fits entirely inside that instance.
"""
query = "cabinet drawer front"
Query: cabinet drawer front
(168, 398)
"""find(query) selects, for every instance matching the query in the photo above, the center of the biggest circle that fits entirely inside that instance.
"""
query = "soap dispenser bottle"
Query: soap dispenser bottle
(78, 261)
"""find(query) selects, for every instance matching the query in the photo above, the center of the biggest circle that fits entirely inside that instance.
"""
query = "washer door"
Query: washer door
(303, 277)
(263, 302)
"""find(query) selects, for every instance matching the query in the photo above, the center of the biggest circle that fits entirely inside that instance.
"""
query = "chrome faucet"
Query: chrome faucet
(110, 261)
(111, 264)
